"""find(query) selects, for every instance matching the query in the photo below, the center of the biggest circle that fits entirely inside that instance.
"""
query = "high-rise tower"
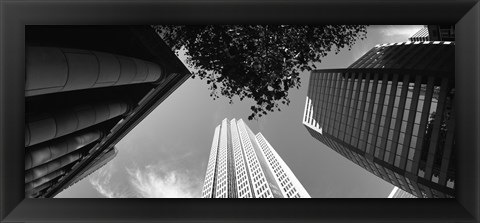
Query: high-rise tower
(245, 165)
(86, 87)
(391, 112)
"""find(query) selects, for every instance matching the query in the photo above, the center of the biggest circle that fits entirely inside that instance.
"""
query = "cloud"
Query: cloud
(168, 178)
(100, 181)
(154, 182)
(400, 30)
(104, 191)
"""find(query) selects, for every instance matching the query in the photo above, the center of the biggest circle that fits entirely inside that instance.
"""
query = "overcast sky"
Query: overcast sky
(166, 154)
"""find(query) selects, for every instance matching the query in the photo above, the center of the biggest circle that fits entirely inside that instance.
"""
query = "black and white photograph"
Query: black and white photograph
(240, 111)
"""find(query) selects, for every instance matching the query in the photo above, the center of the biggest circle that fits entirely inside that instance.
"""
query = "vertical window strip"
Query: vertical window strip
(337, 91)
(352, 104)
(346, 107)
(327, 102)
(448, 147)
(314, 101)
(407, 153)
(321, 106)
(434, 139)
(399, 136)
(390, 119)
(369, 149)
(330, 121)
(423, 123)
(311, 88)
(378, 152)
(361, 144)
(318, 94)
(339, 113)
(305, 112)
(344, 110)
(356, 106)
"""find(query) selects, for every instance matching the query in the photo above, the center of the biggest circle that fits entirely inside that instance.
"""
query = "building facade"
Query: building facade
(99, 162)
(391, 112)
(244, 165)
(434, 33)
(399, 193)
(85, 88)
(441, 32)
(421, 35)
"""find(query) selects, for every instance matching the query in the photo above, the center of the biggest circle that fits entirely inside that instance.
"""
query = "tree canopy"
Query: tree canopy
(261, 62)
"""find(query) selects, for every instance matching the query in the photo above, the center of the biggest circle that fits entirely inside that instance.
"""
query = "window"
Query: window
(413, 142)
(402, 137)
(394, 113)
(387, 156)
(389, 144)
(409, 165)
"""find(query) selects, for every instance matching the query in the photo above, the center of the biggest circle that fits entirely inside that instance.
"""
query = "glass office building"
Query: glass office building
(435, 33)
(391, 112)
(244, 165)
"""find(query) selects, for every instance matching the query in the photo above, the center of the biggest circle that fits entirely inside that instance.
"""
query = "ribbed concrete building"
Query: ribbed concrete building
(85, 88)
(392, 112)
(99, 161)
(245, 165)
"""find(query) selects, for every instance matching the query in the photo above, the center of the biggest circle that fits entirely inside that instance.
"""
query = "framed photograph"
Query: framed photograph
(63, 41)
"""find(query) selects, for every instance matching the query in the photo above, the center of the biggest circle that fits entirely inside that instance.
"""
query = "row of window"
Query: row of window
(281, 176)
(222, 175)
(243, 185)
(403, 125)
(208, 184)
(368, 165)
(344, 116)
(255, 171)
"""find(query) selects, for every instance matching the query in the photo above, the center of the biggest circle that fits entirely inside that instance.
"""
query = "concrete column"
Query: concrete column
(36, 183)
(45, 152)
(51, 69)
(43, 127)
(34, 192)
(42, 170)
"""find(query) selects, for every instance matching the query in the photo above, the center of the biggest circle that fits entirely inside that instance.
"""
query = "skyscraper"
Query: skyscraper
(399, 193)
(391, 112)
(245, 165)
(85, 88)
(421, 35)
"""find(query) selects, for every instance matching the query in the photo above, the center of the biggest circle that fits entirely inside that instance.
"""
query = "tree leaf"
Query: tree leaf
(257, 61)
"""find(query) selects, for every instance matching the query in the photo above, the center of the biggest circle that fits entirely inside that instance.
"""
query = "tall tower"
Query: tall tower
(245, 165)
(86, 87)
(391, 112)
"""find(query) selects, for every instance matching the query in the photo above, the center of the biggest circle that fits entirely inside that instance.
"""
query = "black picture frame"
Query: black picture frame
(14, 15)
